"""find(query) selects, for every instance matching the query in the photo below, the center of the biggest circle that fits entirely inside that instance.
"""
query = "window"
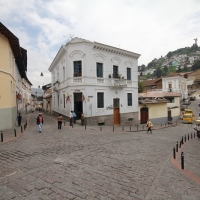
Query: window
(115, 71)
(128, 73)
(64, 100)
(170, 86)
(129, 98)
(77, 68)
(100, 70)
(63, 73)
(100, 100)
(170, 99)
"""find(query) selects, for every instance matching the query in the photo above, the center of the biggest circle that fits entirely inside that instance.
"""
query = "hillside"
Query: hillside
(181, 60)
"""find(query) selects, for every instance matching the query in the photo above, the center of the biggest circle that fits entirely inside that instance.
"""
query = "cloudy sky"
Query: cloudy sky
(149, 27)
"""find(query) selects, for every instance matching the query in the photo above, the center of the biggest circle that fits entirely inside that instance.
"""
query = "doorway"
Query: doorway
(144, 113)
(78, 105)
(116, 112)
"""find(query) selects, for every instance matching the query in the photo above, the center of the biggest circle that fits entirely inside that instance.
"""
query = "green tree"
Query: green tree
(169, 55)
(158, 72)
(140, 87)
(196, 65)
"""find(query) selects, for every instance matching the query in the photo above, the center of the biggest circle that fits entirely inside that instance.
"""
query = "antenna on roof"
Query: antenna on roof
(69, 38)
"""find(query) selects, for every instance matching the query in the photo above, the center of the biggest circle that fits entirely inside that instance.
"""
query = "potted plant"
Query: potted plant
(75, 74)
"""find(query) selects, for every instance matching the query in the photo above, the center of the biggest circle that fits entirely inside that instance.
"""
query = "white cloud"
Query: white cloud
(150, 28)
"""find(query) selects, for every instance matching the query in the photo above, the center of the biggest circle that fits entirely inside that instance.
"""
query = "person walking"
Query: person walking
(149, 125)
(40, 122)
(19, 119)
(59, 118)
(197, 128)
(71, 118)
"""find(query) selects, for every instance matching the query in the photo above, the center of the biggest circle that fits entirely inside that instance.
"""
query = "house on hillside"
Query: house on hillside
(98, 80)
(154, 84)
(15, 95)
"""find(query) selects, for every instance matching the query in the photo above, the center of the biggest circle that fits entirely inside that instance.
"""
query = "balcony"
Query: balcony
(115, 82)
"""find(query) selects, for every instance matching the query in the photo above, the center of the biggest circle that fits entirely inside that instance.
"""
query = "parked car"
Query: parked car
(198, 120)
(186, 102)
(192, 98)
(183, 107)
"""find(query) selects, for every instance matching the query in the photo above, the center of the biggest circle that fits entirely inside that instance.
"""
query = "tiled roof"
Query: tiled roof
(159, 94)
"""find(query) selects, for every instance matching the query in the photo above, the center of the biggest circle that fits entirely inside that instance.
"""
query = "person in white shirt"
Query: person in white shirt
(71, 118)
(197, 128)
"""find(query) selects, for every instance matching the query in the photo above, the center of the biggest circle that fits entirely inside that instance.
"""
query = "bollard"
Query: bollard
(64, 123)
(180, 144)
(85, 126)
(143, 127)
(15, 133)
(177, 146)
(137, 128)
(24, 126)
(194, 134)
(161, 125)
(174, 153)
(130, 128)
(21, 129)
(182, 160)
(72, 125)
(100, 128)
(113, 128)
(188, 137)
(1, 136)
(185, 138)
(165, 124)
(182, 140)
(191, 136)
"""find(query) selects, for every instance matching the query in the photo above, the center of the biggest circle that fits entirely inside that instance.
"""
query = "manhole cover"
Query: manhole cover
(7, 172)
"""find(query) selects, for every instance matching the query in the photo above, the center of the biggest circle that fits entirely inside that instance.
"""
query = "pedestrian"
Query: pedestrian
(82, 119)
(74, 117)
(197, 128)
(39, 122)
(149, 125)
(71, 118)
(59, 118)
(19, 119)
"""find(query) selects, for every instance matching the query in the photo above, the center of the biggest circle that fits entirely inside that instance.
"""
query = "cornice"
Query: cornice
(115, 50)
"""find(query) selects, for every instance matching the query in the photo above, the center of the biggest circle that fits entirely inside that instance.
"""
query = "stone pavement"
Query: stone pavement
(74, 163)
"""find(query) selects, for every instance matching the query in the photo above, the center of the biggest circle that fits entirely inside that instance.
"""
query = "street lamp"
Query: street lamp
(41, 74)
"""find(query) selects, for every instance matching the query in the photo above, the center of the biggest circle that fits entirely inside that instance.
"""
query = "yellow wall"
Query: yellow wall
(155, 111)
(7, 97)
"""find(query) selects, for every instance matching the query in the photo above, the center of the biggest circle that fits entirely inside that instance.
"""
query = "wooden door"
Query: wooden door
(116, 114)
(144, 115)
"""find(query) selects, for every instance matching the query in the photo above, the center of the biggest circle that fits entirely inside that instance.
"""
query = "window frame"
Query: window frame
(128, 74)
(97, 65)
(100, 105)
(77, 70)
(129, 99)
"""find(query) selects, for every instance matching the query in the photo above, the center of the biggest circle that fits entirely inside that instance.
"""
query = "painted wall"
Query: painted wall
(7, 83)
(158, 113)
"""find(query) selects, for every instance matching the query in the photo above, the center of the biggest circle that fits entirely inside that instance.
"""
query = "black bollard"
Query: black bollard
(15, 133)
(64, 123)
(180, 144)
(1, 136)
(72, 125)
(143, 127)
(191, 135)
(194, 134)
(182, 140)
(130, 128)
(185, 138)
(137, 128)
(113, 128)
(174, 153)
(85, 126)
(188, 137)
(182, 160)
(21, 129)
(177, 146)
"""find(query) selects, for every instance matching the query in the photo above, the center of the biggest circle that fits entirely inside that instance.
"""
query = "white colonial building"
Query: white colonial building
(175, 84)
(97, 80)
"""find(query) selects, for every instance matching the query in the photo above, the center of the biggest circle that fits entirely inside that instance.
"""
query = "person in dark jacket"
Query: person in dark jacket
(59, 119)
(40, 122)
(19, 119)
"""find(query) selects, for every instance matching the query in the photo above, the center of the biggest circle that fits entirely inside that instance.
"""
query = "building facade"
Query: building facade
(13, 68)
(97, 80)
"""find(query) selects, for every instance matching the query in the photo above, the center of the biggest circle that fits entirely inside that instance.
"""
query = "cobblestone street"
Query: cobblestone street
(74, 163)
